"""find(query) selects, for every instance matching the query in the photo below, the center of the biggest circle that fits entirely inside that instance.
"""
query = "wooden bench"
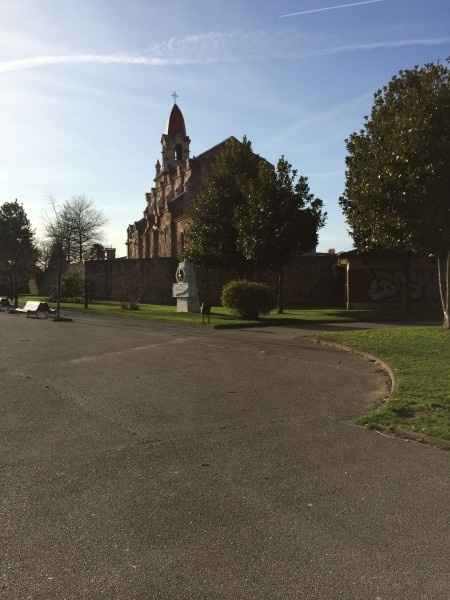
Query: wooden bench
(35, 308)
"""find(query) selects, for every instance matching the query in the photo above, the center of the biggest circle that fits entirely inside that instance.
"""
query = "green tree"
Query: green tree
(249, 215)
(397, 194)
(213, 232)
(96, 252)
(280, 219)
(18, 252)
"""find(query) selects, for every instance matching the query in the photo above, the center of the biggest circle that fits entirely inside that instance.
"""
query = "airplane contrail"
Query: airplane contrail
(36, 62)
(104, 59)
(325, 8)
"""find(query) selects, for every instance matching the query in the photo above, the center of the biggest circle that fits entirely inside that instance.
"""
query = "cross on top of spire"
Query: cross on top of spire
(175, 96)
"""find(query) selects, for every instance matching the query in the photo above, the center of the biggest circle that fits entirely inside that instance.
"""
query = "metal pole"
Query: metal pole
(347, 286)
(86, 291)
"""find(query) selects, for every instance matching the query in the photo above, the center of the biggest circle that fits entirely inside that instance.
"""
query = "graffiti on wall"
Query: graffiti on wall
(387, 286)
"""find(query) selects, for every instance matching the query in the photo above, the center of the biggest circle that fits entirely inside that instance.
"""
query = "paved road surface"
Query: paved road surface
(152, 461)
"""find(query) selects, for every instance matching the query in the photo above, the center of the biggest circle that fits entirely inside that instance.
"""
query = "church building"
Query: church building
(178, 178)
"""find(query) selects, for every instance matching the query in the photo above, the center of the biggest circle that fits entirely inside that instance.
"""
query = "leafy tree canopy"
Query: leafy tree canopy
(16, 234)
(249, 214)
(18, 252)
(397, 193)
(213, 235)
(280, 218)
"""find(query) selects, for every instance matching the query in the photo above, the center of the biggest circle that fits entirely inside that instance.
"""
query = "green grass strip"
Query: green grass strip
(420, 360)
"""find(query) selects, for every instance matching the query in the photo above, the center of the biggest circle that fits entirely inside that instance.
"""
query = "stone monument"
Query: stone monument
(185, 289)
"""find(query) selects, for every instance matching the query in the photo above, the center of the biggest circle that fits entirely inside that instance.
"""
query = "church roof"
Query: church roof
(208, 156)
(175, 125)
(200, 166)
(211, 153)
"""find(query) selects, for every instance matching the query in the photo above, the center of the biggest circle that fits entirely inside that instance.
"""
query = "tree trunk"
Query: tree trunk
(207, 299)
(280, 301)
(86, 291)
(249, 273)
(58, 290)
(446, 322)
(10, 286)
(444, 292)
(14, 288)
(347, 287)
(406, 305)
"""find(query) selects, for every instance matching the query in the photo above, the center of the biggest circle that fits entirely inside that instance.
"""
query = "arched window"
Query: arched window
(178, 152)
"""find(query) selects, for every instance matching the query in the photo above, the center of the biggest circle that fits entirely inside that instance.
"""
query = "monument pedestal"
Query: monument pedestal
(185, 290)
(187, 305)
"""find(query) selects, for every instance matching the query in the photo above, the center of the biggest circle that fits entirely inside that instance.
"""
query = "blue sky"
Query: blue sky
(85, 89)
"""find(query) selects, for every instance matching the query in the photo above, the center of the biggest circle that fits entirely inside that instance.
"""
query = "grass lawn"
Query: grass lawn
(420, 360)
(149, 312)
(223, 318)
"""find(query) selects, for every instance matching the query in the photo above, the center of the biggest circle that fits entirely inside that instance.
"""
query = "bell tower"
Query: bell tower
(175, 142)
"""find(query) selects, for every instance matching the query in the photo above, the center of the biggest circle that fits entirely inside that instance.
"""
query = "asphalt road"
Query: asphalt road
(150, 461)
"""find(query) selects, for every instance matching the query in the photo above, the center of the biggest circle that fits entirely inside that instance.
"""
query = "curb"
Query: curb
(367, 356)
(394, 432)
(411, 436)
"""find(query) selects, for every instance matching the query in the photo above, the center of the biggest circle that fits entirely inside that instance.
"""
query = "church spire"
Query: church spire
(175, 142)
(176, 125)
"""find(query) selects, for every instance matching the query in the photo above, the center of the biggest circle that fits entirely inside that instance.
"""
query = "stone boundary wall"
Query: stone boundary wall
(309, 280)
(145, 279)
(4, 283)
(312, 279)
(47, 282)
(381, 280)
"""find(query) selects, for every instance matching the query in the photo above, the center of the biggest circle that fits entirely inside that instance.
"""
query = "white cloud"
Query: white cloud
(215, 47)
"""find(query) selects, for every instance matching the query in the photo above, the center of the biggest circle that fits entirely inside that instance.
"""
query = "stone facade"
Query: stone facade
(178, 178)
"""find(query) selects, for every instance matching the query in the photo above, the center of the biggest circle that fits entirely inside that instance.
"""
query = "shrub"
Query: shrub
(72, 285)
(248, 298)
